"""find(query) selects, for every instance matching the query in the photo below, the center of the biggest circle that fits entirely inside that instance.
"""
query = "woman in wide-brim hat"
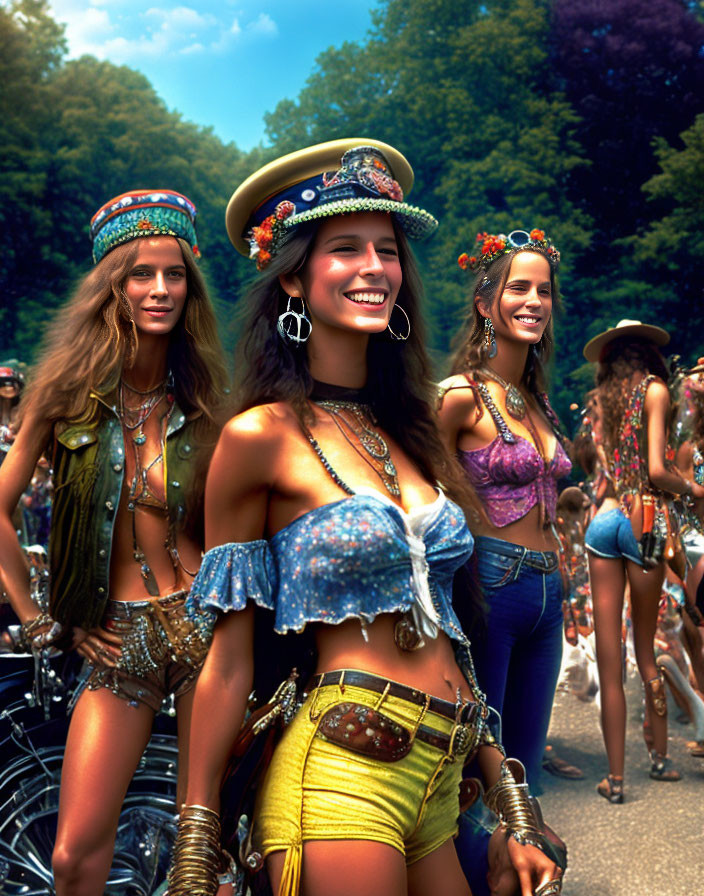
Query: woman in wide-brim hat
(322, 507)
(633, 408)
(123, 399)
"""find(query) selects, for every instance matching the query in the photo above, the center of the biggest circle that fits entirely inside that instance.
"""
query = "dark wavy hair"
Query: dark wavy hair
(625, 362)
(469, 351)
(401, 393)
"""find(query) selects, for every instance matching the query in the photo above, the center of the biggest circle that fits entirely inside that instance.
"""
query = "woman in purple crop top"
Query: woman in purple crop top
(497, 419)
(322, 509)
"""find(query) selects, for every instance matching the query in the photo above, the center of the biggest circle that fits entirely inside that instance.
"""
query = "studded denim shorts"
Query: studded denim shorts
(162, 650)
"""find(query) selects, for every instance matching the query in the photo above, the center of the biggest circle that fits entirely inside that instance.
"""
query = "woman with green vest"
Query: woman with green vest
(124, 399)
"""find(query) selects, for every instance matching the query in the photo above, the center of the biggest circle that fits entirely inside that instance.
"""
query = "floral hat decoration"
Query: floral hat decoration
(141, 213)
(333, 178)
(491, 246)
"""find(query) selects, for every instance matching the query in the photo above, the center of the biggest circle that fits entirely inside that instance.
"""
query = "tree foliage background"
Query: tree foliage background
(583, 117)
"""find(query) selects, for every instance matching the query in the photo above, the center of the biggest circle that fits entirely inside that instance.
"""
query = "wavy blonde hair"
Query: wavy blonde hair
(93, 338)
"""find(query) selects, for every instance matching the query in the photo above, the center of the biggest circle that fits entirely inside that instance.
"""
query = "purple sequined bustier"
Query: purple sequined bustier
(511, 478)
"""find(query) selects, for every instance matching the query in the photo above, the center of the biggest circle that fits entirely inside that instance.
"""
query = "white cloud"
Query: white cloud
(124, 32)
(263, 24)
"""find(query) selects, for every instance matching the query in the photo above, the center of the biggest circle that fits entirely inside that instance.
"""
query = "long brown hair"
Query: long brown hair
(470, 352)
(626, 361)
(399, 382)
(93, 339)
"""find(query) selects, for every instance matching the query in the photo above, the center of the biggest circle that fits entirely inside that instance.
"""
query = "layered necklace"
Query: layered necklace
(515, 402)
(134, 417)
(356, 422)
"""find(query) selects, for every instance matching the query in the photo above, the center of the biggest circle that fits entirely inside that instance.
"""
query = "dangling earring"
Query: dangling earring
(489, 337)
(398, 336)
(294, 326)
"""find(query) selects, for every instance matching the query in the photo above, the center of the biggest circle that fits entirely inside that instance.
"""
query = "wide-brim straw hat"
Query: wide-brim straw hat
(357, 174)
(594, 348)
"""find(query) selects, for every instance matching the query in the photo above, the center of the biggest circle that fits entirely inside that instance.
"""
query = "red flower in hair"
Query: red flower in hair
(463, 261)
(196, 251)
(537, 235)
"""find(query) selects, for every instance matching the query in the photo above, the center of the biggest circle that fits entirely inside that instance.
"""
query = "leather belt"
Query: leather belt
(376, 683)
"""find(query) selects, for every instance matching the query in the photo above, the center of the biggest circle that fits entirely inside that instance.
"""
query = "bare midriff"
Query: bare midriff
(126, 582)
(527, 532)
(431, 669)
(151, 529)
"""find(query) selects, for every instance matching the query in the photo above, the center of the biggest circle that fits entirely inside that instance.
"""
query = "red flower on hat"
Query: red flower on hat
(284, 210)
(463, 261)
(196, 251)
(263, 235)
(537, 235)
(263, 259)
(144, 224)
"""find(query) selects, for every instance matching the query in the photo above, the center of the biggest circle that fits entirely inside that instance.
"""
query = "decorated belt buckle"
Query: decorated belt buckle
(461, 739)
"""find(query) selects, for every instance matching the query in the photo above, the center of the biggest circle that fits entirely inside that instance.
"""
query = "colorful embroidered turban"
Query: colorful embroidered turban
(143, 213)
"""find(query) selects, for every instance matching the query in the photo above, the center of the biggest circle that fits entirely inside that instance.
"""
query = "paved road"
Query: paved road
(652, 844)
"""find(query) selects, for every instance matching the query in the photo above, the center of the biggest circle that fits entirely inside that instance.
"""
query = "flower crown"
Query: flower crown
(491, 246)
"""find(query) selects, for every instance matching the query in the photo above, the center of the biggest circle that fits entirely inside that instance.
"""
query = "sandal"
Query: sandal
(559, 767)
(696, 748)
(611, 788)
(661, 768)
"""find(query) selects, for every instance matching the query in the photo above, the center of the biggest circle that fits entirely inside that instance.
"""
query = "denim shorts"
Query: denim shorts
(610, 535)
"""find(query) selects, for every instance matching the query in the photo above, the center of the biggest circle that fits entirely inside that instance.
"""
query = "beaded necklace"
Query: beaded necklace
(355, 420)
(140, 492)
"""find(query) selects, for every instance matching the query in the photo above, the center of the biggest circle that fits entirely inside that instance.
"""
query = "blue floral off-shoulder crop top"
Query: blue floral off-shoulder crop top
(354, 558)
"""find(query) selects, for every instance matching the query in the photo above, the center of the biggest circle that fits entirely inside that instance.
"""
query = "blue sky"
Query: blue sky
(222, 63)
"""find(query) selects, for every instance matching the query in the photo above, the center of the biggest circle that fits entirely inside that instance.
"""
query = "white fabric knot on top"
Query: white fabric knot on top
(416, 522)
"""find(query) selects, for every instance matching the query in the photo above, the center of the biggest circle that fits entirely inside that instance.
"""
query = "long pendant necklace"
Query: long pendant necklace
(356, 423)
(515, 402)
(134, 418)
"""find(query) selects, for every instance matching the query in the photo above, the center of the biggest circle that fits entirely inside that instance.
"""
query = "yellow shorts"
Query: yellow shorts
(318, 790)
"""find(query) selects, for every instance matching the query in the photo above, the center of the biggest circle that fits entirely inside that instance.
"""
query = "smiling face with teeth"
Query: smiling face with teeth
(525, 305)
(352, 275)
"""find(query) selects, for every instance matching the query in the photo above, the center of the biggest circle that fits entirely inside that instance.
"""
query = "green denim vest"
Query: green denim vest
(89, 463)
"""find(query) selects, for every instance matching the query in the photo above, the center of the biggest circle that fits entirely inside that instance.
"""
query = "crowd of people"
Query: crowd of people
(364, 581)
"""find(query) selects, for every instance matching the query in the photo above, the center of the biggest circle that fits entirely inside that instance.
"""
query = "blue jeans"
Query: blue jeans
(518, 662)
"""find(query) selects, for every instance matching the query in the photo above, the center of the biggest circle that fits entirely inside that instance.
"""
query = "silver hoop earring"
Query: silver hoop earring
(294, 326)
(398, 336)
(489, 337)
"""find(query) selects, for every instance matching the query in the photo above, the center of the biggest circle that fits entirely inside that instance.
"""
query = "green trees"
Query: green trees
(570, 115)
(73, 134)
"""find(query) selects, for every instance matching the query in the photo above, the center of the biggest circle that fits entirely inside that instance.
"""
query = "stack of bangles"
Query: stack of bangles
(35, 641)
(509, 799)
(198, 859)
